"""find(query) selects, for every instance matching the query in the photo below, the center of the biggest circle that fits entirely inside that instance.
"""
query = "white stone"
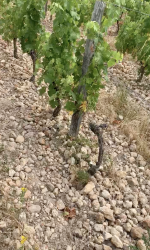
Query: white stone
(84, 150)
(127, 227)
(19, 168)
(69, 248)
(11, 173)
(134, 154)
(27, 169)
(131, 160)
(116, 241)
(27, 194)
(72, 161)
(108, 213)
(29, 230)
(2, 224)
(60, 205)
(99, 227)
(128, 204)
(16, 233)
(23, 217)
(108, 236)
(89, 187)
(20, 139)
(23, 161)
(106, 194)
(22, 175)
(96, 205)
(34, 209)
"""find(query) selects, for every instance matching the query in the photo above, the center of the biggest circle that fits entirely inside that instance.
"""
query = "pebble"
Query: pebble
(16, 233)
(69, 248)
(3, 224)
(108, 213)
(28, 230)
(96, 205)
(105, 247)
(22, 175)
(127, 227)
(22, 217)
(137, 232)
(131, 160)
(41, 141)
(27, 194)
(78, 233)
(141, 245)
(98, 227)
(60, 205)
(116, 242)
(100, 218)
(107, 236)
(11, 172)
(89, 187)
(20, 139)
(146, 222)
(106, 194)
(19, 168)
(34, 209)
(27, 169)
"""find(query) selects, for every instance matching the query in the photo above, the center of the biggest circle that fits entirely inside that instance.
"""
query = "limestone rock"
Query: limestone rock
(3, 224)
(41, 141)
(99, 227)
(60, 205)
(29, 230)
(78, 233)
(146, 222)
(106, 194)
(100, 218)
(141, 245)
(96, 205)
(105, 247)
(34, 209)
(116, 241)
(137, 232)
(11, 172)
(20, 139)
(89, 187)
(108, 213)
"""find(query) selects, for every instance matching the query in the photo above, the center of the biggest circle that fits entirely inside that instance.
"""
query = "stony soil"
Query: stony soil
(38, 163)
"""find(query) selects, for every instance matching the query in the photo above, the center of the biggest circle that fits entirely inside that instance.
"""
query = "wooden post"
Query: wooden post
(88, 55)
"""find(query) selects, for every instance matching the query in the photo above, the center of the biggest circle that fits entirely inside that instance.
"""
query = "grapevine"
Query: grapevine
(60, 54)
(134, 37)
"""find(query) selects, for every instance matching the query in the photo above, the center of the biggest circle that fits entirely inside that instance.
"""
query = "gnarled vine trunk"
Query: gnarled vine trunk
(88, 55)
(118, 25)
(33, 57)
(75, 123)
(58, 108)
(15, 48)
(141, 73)
(46, 5)
(99, 133)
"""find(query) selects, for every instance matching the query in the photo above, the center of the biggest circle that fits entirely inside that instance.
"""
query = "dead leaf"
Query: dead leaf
(69, 213)
(116, 122)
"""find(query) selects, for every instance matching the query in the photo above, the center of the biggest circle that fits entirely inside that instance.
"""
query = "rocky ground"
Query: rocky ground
(38, 164)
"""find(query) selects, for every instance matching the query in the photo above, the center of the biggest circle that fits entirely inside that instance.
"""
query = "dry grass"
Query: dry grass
(136, 122)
